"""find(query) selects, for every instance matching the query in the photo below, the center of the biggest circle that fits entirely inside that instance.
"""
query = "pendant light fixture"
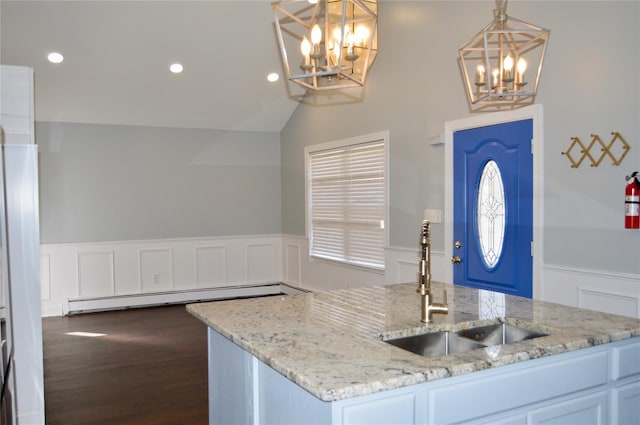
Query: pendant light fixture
(327, 44)
(502, 63)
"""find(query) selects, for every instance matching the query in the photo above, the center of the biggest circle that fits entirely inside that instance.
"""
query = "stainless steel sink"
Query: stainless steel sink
(500, 333)
(443, 343)
(436, 344)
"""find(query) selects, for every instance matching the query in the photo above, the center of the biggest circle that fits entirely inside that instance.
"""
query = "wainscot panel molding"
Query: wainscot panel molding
(293, 264)
(96, 272)
(321, 275)
(403, 265)
(108, 275)
(614, 293)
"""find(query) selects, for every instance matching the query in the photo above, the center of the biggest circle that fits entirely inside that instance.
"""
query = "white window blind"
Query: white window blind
(347, 203)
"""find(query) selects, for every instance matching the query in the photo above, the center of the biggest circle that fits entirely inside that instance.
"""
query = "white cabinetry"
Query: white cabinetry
(591, 386)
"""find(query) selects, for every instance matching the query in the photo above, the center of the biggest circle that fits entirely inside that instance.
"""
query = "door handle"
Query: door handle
(456, 260)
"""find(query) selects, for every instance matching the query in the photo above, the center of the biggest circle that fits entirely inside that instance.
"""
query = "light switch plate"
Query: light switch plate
(434, 216)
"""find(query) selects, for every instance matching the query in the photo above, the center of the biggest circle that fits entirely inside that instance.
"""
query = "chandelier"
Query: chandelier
(502, 63)
(327, 44)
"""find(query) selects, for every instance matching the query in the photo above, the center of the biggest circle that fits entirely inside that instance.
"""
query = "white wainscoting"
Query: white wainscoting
(103, 275)
(614, 293)
(609, 292)
(403, 265)
(320, 275)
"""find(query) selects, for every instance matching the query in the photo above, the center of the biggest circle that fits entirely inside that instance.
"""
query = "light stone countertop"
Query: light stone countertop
(330, 343)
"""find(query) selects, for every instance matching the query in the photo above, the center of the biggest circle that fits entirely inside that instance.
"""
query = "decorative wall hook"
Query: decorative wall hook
(596, 157)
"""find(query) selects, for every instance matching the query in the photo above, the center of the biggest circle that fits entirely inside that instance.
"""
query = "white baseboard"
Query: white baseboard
(175, 297)
(178, 297)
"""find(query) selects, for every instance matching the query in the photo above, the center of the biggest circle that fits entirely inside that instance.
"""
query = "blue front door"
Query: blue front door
(493, 208)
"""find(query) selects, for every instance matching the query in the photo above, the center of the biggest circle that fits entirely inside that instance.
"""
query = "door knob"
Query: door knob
(456, 260)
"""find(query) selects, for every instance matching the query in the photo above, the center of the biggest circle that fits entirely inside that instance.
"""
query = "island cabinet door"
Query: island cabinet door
(402, 406)
(625, 375)
(506, 394)
(625, 404)
(590, 409)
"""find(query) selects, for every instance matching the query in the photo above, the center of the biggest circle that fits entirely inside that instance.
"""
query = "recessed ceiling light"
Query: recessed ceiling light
(55, 57)
(176, 68)
(273, 77)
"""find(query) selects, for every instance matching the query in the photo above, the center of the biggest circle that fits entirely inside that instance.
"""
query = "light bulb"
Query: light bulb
(508, 63)
(337, 34)
(305, 47)
(350, 39)
(521, 68)
(508, 69)
(480, 75)
(316, 34)
(362, 33)
(522, 65)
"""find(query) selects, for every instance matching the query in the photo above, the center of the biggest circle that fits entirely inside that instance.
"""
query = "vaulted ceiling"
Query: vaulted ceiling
(117, 55)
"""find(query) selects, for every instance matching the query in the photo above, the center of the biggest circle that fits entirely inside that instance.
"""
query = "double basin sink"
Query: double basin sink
(442, 343)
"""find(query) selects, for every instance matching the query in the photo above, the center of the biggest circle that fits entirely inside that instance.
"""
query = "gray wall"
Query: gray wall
(108, 182)
(589, 85)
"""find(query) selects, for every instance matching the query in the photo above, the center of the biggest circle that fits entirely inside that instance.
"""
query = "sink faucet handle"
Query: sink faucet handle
(425, 234)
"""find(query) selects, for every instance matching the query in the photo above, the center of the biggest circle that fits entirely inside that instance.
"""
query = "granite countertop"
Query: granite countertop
(331, 343)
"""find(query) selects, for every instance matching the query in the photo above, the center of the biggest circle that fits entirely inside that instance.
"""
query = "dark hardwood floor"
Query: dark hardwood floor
(150, 368)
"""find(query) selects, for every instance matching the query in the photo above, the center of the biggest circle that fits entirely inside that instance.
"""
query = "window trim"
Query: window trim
(308, 150)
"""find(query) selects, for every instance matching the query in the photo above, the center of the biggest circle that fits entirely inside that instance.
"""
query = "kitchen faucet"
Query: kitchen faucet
(424, 284)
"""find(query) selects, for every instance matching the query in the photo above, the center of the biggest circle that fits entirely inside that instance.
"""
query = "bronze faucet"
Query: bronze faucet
(424, 284)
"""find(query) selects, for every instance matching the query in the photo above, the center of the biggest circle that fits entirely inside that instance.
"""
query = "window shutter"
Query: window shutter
(347, 204)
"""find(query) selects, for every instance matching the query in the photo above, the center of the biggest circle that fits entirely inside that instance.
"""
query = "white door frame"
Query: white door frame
(530, 112)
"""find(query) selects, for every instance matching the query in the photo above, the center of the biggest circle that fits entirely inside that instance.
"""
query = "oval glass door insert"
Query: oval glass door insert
(490, 216)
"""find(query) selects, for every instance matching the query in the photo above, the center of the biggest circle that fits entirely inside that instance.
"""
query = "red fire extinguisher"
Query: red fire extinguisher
(632, 202)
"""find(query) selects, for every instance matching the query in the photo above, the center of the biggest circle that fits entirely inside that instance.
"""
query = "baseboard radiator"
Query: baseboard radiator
(121, 302)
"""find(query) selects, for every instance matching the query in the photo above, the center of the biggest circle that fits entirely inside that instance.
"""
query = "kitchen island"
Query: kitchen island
(322, 358)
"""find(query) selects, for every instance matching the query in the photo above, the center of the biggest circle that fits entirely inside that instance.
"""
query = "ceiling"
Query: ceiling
(117, 55)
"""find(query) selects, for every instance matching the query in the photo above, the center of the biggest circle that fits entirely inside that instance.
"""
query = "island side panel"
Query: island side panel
(283, 402)
(231, 386)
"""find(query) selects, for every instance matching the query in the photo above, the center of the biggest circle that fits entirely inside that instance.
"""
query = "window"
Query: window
(346, 200)
(490, 217)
